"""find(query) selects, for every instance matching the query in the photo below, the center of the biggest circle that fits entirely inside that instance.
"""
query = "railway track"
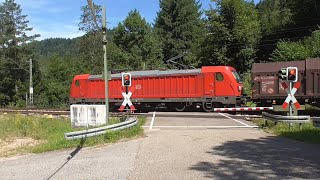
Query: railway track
(54, 112)
(35, 111)
(65, 112)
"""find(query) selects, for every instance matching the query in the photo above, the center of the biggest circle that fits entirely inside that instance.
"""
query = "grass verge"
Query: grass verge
(305, 133)
(48, 134)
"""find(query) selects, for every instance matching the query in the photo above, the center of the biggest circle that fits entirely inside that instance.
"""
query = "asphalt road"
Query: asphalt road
(177, 146)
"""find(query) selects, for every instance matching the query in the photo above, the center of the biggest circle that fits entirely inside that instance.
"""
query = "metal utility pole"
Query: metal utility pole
(106, 79)
(30, 85)
(290, 103)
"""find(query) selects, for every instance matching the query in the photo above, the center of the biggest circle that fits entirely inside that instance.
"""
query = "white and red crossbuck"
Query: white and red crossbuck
(127, 101)
(290, 96)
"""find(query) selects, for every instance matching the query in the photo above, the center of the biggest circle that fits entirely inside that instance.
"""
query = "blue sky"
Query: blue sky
(60, 18)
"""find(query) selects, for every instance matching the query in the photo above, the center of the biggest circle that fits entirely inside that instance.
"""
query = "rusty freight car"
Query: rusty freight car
(267, 89)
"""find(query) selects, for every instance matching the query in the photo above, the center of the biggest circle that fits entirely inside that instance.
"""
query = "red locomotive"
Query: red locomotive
(208, 87)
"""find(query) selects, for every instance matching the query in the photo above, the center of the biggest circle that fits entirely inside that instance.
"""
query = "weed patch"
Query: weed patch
(48, 134)
(304, 132)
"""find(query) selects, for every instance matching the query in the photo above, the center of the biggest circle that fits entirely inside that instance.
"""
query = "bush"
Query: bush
(247, 83)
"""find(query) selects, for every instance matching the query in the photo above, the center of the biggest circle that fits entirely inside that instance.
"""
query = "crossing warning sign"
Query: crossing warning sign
(290, 96)
(127, 101)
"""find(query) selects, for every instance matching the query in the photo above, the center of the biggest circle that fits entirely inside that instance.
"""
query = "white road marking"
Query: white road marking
(152, 121)
(202, 126)
(233, 119)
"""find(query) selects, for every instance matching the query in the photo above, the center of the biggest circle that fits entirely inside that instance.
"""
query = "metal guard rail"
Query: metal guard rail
(131, 121)
(286, 119)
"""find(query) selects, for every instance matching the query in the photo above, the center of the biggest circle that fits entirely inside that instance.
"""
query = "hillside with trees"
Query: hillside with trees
(231, 32)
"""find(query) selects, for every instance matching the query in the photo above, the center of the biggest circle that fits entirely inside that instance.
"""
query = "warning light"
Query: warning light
(283, 74)
(126, 79)
(292, 74)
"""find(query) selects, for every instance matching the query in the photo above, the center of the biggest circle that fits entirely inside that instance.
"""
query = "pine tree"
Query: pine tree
(14, 52)
(90, 45)
(233, 34)
(179, 25)
(135, 38)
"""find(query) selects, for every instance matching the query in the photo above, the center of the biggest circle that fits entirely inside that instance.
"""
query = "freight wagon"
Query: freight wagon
(267, 88)
(208, 87)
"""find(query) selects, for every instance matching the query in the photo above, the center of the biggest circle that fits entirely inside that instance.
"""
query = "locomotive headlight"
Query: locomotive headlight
(239, 88)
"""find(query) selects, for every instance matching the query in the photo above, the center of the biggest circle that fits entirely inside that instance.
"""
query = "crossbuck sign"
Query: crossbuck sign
(290, 96)
(127, 101)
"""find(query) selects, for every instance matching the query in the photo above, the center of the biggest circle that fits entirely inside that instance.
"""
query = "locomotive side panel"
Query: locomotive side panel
(181, 86)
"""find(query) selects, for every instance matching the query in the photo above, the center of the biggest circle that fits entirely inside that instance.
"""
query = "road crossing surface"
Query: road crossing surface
(178, 146)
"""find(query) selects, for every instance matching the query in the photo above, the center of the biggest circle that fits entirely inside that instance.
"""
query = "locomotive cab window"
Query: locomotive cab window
(236, 76)
(77, 83)
(219, 76)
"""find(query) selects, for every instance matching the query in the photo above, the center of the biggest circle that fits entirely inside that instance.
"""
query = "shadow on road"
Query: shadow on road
(267, 158)
(72, 154)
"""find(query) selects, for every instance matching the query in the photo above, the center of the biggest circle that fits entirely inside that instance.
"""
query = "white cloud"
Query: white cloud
(47, 19)
(56, 30)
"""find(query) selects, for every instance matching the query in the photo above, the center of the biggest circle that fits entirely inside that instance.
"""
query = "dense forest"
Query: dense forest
(232, 32)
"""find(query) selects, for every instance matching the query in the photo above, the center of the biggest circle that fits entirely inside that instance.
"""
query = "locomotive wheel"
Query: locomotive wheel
(180, 107)
(206, 109)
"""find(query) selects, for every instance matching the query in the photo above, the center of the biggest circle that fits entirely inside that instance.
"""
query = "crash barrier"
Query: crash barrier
(286, 119)
(130, 121)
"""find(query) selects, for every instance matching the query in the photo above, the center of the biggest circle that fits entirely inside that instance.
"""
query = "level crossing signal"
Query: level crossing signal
(290, 96)
(126, 79)
(283, 74)
(289, 74)
(292, 74)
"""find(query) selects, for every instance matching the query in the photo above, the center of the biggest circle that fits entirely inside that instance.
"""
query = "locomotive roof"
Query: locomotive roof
(152, 73)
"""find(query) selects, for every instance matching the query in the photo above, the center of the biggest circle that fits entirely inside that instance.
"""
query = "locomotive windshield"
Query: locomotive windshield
(237, 77)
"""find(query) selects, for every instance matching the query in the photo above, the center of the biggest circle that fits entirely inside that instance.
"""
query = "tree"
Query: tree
(215, 45)
(233, 34)
(274, 15)
(298, 50)
(88, 22)
(286, 19)
(141, 47)
(90, 45)
(290, 51)
(180, 27)
(14, 52)
(54, 89)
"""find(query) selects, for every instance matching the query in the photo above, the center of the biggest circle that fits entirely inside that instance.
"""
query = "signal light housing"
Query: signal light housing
(126, 79)
(283, 74)
(292, 74)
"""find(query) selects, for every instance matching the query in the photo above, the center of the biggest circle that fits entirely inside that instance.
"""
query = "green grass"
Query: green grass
(51, 132)
(312, 108)
(306, 132)
(251, 104)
